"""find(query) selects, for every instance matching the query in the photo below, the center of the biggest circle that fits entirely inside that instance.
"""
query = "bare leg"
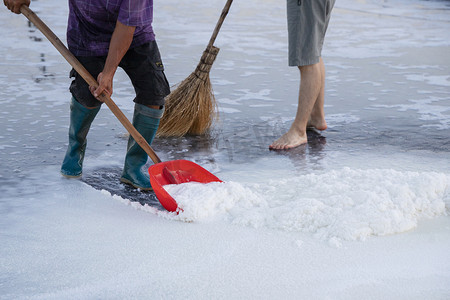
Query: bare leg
(317, 118)
(310, 88)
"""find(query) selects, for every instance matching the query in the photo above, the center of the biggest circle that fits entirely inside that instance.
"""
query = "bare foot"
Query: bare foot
(290, 139)
(318, 124)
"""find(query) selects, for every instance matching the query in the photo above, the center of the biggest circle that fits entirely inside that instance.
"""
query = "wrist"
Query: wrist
(108, 72)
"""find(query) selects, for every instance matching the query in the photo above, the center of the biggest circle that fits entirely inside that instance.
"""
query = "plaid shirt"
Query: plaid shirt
(92, 22)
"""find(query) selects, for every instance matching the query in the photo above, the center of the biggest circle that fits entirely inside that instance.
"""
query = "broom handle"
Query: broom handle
(219, 23)
(104, 97)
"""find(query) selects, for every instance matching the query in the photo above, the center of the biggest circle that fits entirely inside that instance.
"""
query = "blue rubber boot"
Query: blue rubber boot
(146, 121)
(80, 121)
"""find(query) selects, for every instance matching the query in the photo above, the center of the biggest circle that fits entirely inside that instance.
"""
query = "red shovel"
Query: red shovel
(161, 173)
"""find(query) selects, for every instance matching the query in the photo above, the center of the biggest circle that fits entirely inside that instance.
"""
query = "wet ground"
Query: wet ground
(387, 88)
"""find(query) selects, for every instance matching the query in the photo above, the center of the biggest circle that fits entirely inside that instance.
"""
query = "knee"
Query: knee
(310, 69)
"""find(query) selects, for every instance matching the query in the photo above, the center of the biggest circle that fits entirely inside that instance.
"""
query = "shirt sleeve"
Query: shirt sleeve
(136, 12)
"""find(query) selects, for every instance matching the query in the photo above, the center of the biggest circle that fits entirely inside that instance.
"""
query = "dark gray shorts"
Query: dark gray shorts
(307, 25)
(143, 66)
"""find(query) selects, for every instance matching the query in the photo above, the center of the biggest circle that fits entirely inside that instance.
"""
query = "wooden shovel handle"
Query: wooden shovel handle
(104, 97)
(219, 23)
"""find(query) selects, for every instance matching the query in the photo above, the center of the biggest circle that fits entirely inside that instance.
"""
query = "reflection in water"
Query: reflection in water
(309, 155)
(44, 75)
(246, 143)
(32, 30)
(203, 147)
(33, 35)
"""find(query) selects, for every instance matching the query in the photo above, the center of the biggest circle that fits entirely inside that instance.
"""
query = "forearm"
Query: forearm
(119, 45)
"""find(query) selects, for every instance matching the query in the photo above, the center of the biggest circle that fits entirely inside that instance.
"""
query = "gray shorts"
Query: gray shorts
(307, 25)
(142, 64)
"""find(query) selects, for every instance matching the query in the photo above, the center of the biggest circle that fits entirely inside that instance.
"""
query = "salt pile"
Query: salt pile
(346, 204)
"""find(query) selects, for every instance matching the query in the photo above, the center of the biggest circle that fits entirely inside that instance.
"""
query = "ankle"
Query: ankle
(298, 129)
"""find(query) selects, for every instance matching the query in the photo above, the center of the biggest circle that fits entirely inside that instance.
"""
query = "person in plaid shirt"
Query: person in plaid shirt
(105, 35)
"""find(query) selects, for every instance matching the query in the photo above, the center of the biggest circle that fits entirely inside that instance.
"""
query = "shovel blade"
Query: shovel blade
(176, 172)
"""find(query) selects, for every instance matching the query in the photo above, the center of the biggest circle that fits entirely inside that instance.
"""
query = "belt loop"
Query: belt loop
(299, 2)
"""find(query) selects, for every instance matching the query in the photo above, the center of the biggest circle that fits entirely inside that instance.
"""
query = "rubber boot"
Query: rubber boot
(80, 121)
(146, 121)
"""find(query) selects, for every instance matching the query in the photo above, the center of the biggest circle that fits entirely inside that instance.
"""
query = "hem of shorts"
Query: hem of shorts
(154, 101)
(91, 102)
(301, 63)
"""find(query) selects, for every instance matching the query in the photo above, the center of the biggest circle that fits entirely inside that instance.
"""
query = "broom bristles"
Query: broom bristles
(191, 107)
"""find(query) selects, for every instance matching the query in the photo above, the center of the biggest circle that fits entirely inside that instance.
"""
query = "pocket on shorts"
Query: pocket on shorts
(159, 79)
(145, 68)
(293, 10)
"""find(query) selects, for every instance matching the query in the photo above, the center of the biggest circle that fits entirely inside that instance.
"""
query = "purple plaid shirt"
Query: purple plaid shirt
(92, 22)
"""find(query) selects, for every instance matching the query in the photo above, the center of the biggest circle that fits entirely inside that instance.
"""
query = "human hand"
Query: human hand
(14, 5)
(105, 84)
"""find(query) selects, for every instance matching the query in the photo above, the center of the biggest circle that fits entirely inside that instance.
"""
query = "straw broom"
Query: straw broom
(191, 107)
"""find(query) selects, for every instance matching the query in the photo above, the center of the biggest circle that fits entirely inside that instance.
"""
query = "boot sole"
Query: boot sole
(124, 180)
(71, 176)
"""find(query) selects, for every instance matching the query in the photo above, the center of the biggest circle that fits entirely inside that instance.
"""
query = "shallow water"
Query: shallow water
(385, 86)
